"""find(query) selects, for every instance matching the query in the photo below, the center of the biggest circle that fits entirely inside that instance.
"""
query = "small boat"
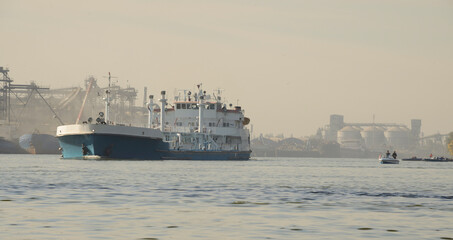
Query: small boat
(412, 159)
(436, 159)
(387, 160)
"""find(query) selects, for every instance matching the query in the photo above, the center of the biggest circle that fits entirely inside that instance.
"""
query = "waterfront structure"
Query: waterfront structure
(29, 114)
(372, 136)
(349, 137)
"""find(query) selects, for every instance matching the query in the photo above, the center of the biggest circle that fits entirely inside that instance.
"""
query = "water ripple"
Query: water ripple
(45, 197)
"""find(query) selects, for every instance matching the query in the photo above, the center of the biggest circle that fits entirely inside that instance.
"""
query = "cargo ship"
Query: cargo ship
(36, 143)
(195, 126)
(10, 147)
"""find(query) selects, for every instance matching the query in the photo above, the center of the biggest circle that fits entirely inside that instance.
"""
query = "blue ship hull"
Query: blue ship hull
(104, 146)
(206, 155)
(107, 146)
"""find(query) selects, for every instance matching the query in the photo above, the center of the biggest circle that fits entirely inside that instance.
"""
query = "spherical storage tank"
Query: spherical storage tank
(397, 137)
(349, 137)
(374, 137)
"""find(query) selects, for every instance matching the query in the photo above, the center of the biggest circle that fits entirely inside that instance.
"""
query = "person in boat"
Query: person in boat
(387, 154)
(394, 155)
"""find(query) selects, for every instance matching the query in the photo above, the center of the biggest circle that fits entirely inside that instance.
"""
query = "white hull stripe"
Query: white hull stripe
(82, 129)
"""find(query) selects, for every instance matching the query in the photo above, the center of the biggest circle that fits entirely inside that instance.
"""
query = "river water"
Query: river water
(44, 197)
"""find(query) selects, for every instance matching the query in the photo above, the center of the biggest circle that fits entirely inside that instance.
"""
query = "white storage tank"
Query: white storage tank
(349, 137)
(397, 137)
(374, 138)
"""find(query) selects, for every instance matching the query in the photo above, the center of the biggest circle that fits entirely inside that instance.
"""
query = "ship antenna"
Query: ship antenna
(107, 101)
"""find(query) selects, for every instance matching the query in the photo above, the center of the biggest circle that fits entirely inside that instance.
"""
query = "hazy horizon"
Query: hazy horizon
(291, 64)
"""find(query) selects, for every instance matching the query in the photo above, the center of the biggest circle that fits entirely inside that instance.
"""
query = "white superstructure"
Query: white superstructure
(200, 121)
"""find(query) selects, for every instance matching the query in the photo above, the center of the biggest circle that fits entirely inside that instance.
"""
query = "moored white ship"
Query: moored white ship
(195, 127)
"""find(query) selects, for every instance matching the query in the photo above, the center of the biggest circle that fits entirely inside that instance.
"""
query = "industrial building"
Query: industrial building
(376, 137)
(28, 109)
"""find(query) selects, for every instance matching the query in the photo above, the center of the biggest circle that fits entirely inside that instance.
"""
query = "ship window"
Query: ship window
(178, 106)
(194, 106)
(183, 106)
(211, 106)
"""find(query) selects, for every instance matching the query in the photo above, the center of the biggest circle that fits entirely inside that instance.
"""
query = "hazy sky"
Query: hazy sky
(290, 63)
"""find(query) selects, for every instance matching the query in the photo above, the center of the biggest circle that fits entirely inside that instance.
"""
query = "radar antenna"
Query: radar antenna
(107, 100)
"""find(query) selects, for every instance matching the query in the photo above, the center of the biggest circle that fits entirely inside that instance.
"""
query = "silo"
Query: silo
(374, 138)
(397, 137)
(336, 123)
(416, 125)
(349, 137)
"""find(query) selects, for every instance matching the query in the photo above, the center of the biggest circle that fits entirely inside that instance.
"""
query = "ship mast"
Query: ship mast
(107, 102)
(151, 111)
